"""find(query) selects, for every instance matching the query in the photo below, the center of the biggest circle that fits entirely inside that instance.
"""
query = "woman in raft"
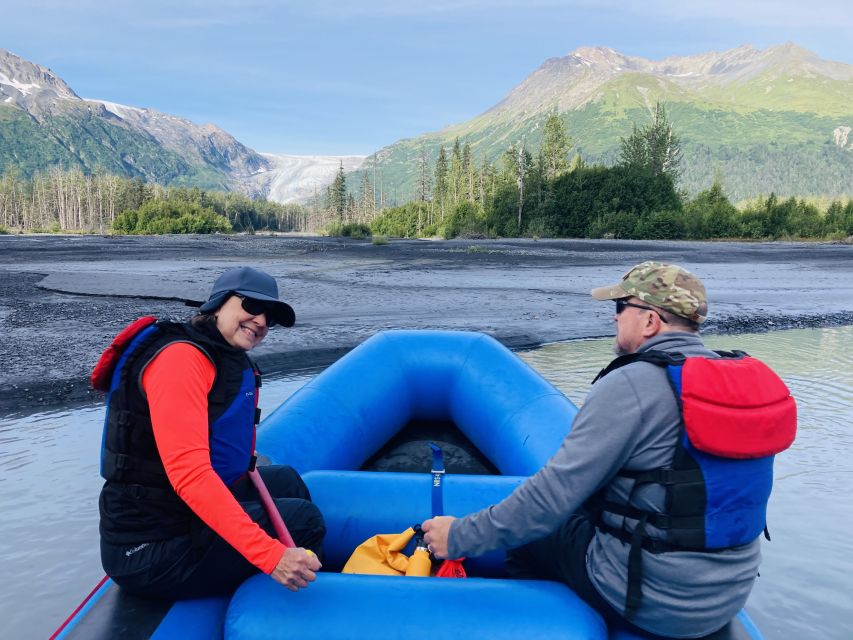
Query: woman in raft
(179, 515)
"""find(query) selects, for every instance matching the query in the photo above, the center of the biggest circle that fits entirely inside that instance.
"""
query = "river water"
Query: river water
(49, 485)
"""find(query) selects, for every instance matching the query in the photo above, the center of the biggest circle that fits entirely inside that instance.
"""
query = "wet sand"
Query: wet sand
(63, 298)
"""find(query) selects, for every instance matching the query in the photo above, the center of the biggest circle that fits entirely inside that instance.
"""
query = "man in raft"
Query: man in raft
(652, 509)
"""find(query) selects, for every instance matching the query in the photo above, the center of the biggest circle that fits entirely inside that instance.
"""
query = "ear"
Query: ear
(652, 326)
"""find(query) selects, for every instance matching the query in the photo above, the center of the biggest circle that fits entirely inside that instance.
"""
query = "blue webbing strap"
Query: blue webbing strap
(437, 478)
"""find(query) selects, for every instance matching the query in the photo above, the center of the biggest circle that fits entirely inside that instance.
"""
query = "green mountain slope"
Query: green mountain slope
(45, 124)
(92, 144)
(768, 121)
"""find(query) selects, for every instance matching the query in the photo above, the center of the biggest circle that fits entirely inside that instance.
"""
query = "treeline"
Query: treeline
(543, 192)
(548, 195)
(59, 200)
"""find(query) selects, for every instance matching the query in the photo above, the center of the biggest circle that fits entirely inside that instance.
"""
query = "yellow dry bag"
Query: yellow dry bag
(381, 555)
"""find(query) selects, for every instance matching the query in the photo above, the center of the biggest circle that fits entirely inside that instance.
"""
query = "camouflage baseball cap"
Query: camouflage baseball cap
(666, 286)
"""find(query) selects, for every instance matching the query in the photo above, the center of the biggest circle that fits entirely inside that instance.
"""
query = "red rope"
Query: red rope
(79, 607)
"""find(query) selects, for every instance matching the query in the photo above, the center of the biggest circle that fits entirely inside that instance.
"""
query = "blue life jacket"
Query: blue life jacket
(137, 502)
(736, 414)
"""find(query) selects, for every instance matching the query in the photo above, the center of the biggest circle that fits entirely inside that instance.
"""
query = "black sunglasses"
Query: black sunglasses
(256, 308)
(621, 303)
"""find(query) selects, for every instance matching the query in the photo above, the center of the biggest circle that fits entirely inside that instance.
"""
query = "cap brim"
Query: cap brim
(282, 313)
(612, 292)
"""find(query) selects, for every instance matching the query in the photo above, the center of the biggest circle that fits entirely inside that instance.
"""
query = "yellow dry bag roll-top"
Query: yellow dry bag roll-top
(420, 563)
(381, 555)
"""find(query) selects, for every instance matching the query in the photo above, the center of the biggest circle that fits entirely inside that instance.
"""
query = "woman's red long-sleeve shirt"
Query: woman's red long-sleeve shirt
(177, 383)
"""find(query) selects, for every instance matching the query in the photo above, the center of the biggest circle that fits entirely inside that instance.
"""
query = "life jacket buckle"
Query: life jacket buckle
(137, 491)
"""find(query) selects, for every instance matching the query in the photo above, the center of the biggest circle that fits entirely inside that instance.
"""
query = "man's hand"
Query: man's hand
(296, 568)
(435, 534)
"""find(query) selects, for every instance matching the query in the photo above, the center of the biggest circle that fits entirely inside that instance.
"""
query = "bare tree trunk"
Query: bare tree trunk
(520, 179)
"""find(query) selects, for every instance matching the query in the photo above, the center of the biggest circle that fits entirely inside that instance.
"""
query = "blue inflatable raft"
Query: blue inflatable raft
(328, 430)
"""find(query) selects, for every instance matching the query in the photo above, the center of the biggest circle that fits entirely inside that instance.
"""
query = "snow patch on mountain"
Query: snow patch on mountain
(841, 136)
(121, 110)
(25, 88)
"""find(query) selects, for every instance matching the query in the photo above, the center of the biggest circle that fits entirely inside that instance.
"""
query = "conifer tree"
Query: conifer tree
(424, 182)
(555, 147)
(467, 183)
(440, 191)
(337, 195)
(368, 200)
(654, 147)
(456, 175)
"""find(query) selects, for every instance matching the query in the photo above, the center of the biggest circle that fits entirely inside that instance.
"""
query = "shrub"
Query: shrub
(171, 216)
(407, 221)
(380, 240)
(660, 225)
(466, 219)
(349, 230)
(3, 230)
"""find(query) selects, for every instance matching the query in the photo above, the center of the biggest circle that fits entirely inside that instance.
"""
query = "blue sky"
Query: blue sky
(351, 76)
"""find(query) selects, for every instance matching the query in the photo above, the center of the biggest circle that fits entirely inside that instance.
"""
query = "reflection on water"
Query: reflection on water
(807, 572)
(49, 485)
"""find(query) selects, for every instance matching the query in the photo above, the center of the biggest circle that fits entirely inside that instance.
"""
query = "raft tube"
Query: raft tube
(349, 607)
(348, 412)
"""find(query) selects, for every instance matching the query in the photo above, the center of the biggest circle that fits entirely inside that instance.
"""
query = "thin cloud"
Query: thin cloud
(769, 13)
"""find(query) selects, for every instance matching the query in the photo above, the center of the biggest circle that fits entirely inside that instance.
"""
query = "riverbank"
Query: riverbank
(63, 298)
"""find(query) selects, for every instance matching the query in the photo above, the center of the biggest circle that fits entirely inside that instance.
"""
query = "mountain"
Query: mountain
(777, 119)
(44, 123)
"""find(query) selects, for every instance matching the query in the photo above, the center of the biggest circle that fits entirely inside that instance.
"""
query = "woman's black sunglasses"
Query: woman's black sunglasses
(256, 308)
(621, 303)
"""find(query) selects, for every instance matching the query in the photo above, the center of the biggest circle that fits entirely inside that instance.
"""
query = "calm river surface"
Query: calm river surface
(49, 485)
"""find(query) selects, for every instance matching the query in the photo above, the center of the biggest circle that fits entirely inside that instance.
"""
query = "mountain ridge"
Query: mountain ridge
(45, 123)
(767, 120)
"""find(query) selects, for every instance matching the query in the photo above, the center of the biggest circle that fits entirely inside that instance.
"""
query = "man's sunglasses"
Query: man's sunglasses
(256, 308)
(622, 303)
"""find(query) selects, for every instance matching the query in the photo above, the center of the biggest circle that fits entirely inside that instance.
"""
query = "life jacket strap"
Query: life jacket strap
(115, 463)
(634, 593)
(658, 520)
(437, 480)
(662, 476)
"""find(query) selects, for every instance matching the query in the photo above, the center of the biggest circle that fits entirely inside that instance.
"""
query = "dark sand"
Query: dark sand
(63, 298)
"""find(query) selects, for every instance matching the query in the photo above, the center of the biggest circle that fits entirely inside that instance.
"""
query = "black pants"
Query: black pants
(202, 564)
(561, 556)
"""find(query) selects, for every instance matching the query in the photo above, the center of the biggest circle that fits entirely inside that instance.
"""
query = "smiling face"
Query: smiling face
(240, 328)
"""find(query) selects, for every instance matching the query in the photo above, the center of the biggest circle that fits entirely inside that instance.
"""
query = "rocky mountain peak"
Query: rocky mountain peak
(577, 79)
(26, 84)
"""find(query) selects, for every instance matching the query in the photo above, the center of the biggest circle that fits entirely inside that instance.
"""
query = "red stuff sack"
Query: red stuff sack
(451, 569)
(103, 371)
(736, 408)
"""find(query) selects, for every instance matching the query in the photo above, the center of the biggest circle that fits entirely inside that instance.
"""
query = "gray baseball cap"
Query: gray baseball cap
(254, 284)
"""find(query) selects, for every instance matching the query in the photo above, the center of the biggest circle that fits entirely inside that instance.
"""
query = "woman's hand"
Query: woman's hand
(436, 531)
(296, 568)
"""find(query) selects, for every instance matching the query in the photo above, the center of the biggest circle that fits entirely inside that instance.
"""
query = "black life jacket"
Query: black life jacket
(736, 414)
(137, 502)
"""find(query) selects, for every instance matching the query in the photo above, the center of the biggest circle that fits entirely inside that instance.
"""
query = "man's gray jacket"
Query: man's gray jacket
(630, 420)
